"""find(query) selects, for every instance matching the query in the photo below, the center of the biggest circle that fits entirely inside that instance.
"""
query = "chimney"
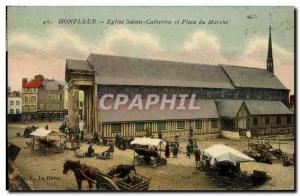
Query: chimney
(24, 82)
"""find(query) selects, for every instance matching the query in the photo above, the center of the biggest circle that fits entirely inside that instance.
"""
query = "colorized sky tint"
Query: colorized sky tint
(34, 47)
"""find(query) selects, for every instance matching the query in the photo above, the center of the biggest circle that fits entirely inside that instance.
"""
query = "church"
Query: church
(226, 94)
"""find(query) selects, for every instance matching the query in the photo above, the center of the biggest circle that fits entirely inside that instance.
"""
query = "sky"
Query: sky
(35, 47)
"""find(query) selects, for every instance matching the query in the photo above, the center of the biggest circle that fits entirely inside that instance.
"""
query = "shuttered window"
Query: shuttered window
(198, 124)
(116, 128)
(180, 125)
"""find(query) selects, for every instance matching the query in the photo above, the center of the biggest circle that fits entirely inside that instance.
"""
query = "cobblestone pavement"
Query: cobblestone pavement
(282, 177)
(178, 174)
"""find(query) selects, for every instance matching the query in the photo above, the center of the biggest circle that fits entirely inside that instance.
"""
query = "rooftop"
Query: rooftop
(120, 70)
(266, 107)
(228, 108)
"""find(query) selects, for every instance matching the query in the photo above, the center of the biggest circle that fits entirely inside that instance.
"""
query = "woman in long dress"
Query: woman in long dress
(167, 150)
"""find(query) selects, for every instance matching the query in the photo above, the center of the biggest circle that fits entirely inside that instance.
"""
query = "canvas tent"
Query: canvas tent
(221, 152)
(49, 134)
(147, 141)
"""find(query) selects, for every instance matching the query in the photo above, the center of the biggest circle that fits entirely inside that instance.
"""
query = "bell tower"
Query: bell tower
(270, 66)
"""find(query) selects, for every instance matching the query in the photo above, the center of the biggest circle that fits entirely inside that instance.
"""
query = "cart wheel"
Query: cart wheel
(104, 186)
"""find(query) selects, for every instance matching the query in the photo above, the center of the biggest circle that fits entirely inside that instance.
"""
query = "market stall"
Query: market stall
(46, 141)
(221, 152)
(222, 165)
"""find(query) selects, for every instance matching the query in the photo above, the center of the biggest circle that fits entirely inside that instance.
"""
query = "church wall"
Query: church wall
(201, 93)
(128, 129)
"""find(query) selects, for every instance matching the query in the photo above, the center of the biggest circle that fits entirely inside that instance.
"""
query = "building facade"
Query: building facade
(219, 86)
(30, 97)
(264, 118)
(50, 105)
(14, 106)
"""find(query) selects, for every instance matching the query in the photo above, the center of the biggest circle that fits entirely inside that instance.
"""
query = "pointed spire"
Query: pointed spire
(270, 67)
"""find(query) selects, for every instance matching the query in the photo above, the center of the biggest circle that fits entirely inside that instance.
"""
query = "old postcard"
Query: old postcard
(150, 98)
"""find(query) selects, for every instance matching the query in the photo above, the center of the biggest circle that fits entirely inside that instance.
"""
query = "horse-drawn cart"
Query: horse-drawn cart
(148, 157)
(134, 182)
(146, 152)
(118, 178)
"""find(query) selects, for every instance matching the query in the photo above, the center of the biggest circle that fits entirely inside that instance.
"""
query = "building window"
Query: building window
(161, 125)
(139, 127)
(214, 124)
(11, 111)
(26, 99)
(11, 103)
(18, 111)
(18, 102)
(180, 124)
(32, 108)
(26, 108)
(267, 120)
(33, 99)
(198, 124)
(116, 128)
(255, 121)
(278, 120)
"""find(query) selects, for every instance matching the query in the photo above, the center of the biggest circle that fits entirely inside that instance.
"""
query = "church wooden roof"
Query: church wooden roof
(120, 70)
(257, 107)
(228, 108)
(252, 77)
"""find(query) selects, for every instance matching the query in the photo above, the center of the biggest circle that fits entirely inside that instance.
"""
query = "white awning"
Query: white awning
(147, 141)
(221, 152)
(45, 133)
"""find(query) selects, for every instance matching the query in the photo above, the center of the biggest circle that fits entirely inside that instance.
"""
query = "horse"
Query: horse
(81, 171)
(121, 171)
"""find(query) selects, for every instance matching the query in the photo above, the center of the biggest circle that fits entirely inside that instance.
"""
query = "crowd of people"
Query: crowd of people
(123, 143)
(191, 148)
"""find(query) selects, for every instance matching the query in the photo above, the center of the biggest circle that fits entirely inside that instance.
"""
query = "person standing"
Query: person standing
(175, 151)
(197, 156)
(188, 150)
(82, 136)
(167, 150)
(117, 140)
(191, 132)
